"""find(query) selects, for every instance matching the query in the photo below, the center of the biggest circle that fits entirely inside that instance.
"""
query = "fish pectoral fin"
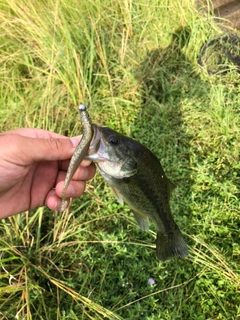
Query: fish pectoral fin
(117, 195)
(142, 220)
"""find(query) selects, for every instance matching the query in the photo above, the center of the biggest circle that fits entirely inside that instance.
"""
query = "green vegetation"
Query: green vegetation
(134, 63)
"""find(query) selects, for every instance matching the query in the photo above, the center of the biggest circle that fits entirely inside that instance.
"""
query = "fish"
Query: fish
(80, 152)
(136, 177)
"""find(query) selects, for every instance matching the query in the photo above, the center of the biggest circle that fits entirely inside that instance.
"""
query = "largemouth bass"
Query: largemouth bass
(137, 178)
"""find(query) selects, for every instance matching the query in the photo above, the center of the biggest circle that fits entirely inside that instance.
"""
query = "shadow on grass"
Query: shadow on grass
(170, 84)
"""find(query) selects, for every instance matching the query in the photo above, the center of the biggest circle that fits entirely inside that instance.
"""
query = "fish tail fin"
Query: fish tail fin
(171, 246)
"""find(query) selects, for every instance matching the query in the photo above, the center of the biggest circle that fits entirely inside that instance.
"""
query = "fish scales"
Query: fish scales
(142, 192)
(137, 178)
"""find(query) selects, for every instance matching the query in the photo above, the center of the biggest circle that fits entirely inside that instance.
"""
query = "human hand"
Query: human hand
(33, 165)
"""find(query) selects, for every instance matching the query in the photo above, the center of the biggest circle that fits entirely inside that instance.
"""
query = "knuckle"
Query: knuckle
(55, 144)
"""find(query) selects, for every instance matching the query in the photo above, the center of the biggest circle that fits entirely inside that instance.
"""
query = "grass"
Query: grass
(135, 64)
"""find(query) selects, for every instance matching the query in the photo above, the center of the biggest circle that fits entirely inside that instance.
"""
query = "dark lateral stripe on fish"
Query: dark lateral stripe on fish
(153, 199)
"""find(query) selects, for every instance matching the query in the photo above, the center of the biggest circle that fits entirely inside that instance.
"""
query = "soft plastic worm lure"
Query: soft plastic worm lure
(80, 151)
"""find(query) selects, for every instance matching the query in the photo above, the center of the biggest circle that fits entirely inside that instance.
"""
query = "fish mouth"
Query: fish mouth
(95, 144)
(96, 135)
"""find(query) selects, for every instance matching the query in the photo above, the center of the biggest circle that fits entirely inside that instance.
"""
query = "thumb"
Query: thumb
(52, 149)
(42, 149)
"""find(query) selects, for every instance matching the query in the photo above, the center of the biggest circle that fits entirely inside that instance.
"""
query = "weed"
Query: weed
(135, 64)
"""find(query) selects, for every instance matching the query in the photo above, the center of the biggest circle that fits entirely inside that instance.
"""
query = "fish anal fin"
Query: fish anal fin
(142, 220)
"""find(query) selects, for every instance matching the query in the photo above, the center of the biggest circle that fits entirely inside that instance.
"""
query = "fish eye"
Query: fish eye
(113, 140)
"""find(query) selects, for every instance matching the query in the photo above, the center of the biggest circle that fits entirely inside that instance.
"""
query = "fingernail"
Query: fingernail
(75, 140)
(70, 191)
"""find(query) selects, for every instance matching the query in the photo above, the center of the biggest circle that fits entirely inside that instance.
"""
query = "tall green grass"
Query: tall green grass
(135, 64)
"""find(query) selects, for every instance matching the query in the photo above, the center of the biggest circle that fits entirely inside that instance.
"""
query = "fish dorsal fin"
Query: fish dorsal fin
(142, 220)
(171, 186)
(117, 195)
